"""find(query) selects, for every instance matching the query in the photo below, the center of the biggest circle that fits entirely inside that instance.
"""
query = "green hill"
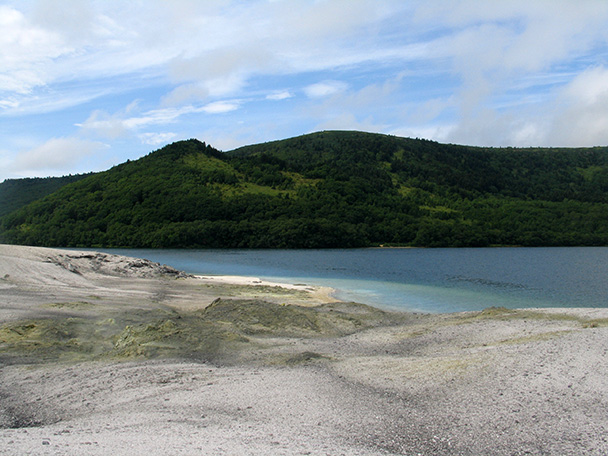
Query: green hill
(329, 189)
(16, 193)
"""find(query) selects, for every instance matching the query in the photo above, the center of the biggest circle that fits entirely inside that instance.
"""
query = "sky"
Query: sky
(88, 84)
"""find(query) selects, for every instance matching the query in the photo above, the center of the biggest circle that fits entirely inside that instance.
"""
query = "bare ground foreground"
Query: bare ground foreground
(101, 354)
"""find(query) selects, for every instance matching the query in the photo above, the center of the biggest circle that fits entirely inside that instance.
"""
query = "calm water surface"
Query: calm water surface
(429, 280)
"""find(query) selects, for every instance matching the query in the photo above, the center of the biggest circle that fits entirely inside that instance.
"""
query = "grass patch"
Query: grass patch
(584, 322)
(504, 314)
(595, 323)
(306, 357)
(42, 339)
(258, 291)
(220, 331)
(260, 317)
(69, 305)
(540, 337)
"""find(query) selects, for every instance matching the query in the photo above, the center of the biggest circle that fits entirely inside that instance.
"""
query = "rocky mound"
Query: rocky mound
(108, 264)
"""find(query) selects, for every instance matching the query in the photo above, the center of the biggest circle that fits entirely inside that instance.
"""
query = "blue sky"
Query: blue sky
(85, 85)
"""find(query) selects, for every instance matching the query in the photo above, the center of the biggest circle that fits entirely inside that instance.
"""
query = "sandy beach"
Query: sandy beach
(102, 354)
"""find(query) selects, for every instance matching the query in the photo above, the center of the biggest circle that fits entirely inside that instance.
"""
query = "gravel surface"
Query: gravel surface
(498, 382)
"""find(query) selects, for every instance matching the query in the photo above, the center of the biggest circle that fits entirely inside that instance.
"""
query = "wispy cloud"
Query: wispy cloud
(324, 89)
(280, 95)
(582, 110)
(156, 139)
(219, 107)
(131, 121)
(54, 155)
(513, 72)
(27, 52)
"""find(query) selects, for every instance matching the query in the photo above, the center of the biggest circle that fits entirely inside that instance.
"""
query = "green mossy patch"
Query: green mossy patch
(273, 293)
(42, 339)
(220, 331)
(306, 357)
(260, 317)
(68, 305)
(185, 336)
(504, 314)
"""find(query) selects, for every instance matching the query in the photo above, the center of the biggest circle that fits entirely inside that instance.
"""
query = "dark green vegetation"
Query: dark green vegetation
(221, 331)
(16, 193)
(329, 189)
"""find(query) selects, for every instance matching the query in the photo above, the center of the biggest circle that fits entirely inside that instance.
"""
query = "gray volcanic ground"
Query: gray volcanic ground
(104, 354)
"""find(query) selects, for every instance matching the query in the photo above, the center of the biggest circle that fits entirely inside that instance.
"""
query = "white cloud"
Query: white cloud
(575, 115)
(279, 95)
(324, 89)
(162, 116)
(589, 88)
(220, 107)
(214, 48)
(437, 132)
(53, 155)
(211, 47)
(105, 125)
(26, 52)
(514, 72)
(429, 110)
(368, 97)
(512, 57)
(212, 64)
(5, 163)
(129, 120)
(334, 105)
(524, 35)
(156, 139)
(581, 110)
(528, 134)
(75, 19)
(186, 93)
(46, 49)
(9, 104)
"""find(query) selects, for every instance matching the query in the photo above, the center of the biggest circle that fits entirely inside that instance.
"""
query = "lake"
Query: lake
(426, 280)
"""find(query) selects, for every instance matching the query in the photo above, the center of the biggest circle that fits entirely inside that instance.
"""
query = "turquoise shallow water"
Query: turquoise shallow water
(429, 280)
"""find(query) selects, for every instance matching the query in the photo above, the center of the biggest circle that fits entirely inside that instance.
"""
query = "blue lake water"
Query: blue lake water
(428, 280)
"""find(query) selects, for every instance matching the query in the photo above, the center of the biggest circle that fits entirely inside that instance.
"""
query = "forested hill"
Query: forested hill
(15, 193)
(329, 189)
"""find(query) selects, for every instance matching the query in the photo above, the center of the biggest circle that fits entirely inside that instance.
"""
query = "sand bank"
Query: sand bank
(112, 355)
(316, 294)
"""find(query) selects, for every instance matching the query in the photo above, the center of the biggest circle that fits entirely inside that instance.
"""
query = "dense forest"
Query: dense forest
(328, 189)
(16, 193)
